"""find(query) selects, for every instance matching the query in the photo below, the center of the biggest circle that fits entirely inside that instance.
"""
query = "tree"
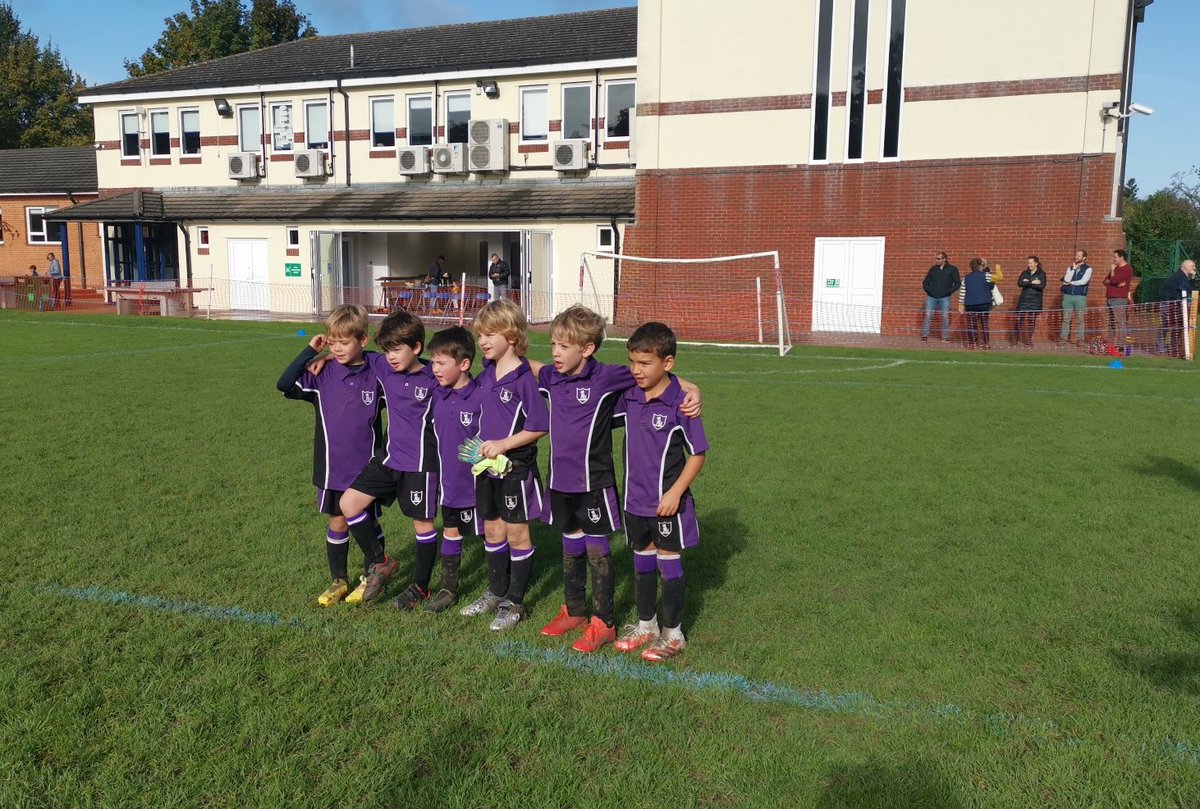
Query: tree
(217, 28)
(40, 92)
(1171, 213)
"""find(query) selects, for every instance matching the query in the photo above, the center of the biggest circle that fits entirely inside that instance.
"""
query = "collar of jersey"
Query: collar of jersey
(465, 392)
(589, 368)
(672, 396)
(511, 376)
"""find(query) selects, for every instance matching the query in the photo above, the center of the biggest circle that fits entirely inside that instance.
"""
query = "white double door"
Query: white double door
(848, 284)
(248, 288)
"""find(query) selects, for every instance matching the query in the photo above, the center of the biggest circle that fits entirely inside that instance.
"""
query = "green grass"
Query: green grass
(926, 579)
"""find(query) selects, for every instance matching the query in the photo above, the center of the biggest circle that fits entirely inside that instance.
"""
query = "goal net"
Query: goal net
(725, 300)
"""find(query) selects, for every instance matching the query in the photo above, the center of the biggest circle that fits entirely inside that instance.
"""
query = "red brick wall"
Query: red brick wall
(16, 254)
(1001, 208)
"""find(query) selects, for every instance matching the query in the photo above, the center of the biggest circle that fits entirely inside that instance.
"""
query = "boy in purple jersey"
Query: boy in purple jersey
(456, 412)
(408, 469)
(514, 417)
(664, 453)
(348, 428)
(582, 395)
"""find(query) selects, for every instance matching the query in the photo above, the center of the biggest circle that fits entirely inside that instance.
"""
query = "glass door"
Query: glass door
(537, 277)
(327, 271)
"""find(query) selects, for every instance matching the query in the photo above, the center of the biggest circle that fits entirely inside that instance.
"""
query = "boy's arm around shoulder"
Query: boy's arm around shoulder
(287, 382)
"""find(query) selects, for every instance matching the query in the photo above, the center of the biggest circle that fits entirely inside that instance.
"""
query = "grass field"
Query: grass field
(927, 579)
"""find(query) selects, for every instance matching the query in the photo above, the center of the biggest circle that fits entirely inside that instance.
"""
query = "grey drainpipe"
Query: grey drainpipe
(345, 128)
(187, 250)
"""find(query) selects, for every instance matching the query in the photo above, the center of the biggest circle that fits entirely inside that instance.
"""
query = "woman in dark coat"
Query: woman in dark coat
(1029, 305)
(975, 298)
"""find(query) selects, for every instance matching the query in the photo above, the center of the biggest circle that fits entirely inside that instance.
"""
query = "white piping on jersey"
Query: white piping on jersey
(662, 462)
(550, 422)
(324, 428)
(516, 417)
(587, 461)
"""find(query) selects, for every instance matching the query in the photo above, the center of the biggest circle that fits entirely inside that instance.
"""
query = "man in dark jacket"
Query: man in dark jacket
(1176, 291)
(498, 274)
(941, 282)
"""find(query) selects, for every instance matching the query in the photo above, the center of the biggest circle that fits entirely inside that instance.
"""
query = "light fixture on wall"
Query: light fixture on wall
(223, 108)
(489, 88)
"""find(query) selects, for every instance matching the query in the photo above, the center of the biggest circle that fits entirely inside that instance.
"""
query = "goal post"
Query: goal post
(729, 304)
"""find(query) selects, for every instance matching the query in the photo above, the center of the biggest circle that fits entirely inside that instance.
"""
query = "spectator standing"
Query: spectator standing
(1032, 283)
(1074, 303)
(975, 298)
(56, 280)
(940, 283)
(1116, 296)
(1175, 289)
(498, 274)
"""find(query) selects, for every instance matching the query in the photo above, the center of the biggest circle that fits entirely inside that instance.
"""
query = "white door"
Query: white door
(537, 278)
(848, 284)
(248, 287)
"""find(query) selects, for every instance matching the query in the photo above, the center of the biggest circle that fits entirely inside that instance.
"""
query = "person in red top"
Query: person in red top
(1116, 293)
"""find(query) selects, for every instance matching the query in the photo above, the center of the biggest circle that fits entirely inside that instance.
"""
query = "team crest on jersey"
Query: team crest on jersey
(658, 421)
(510, 501)
(466, 417)
(505, 395)
(416, 497)
(467, 516)
(421, 393)
(582, 395)
(594, 514)
(368, 397)
(665, 528)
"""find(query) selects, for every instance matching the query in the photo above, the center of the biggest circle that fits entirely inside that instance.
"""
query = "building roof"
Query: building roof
(52, 170)
(509, 201)
(479, 46)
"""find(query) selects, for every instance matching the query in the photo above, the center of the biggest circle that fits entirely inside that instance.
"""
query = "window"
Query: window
(535, 114)
(202, 237)
(38, 230)
(895, 81)
(189, 132)
(293, 237)
(282, 136)
(620, 107)
(857, 104)
(420, 120)
(820, 103)
(383, 123)
(316, 125)
(160, 133)
(129, 135)
(577, 111)
(458, 116)
(604, 239)
(249, 129)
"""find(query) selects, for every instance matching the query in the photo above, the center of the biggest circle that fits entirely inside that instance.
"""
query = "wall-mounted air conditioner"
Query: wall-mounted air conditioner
(243, 166)
(413, 160)
(449, 158)
(310, 163)
(488, 141)
(570, 155)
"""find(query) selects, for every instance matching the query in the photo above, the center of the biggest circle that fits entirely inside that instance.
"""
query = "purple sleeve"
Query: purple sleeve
(693, 433)
(538, 412)
(618, 377)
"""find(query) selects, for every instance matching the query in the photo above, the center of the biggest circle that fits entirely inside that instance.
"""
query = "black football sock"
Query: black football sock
(426, 555)
(575, 575)
(522, 566)
(337, 550)
(600, 563)
(498, 564)
(645, 569)
(671, 570)
(362, 528)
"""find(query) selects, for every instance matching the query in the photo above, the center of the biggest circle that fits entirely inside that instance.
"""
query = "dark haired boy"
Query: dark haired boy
(664, 452)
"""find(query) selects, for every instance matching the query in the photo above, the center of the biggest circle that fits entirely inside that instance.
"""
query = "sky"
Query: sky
(96, 36)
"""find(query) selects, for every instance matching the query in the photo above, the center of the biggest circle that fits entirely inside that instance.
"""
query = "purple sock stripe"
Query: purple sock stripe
(337, 537)
(501, 548)
(597, 546)
(425, 539)
(670, 567)
(574, 545)
(451, 547)
(644, 562)
(519, 555)
(358, 518)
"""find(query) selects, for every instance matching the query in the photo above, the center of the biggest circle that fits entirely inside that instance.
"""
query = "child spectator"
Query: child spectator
(514, 417)
(664, 452)
(348, 430)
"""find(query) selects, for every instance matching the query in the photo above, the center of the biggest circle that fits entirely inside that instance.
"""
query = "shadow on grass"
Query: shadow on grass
(875, 785)
(1177, 670)
(1182, 473)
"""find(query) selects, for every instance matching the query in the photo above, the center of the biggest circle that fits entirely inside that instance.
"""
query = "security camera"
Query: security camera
(1141, 109)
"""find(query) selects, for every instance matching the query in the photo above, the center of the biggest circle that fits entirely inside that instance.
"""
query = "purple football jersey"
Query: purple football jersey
(581, 416)
(411, 444)
(455, 419)
(512, 404)
(656, 437)
(349, 427)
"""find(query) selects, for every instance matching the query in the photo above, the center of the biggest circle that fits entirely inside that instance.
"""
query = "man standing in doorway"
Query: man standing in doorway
(941, 282)
(498, 273)
(1074, 302)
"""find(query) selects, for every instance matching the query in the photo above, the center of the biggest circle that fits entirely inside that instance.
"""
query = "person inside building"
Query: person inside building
(498, 274)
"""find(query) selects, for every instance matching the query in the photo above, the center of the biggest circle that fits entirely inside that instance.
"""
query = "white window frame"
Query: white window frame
(446, 110)
(293, 238)
(258, 147)
(166, 116)
(408, 114)
(545, 91)
(308, 138)
(601, 247)
(608, 85)
(202, 237)
(291, 135)
(591, 118)
(371, 102)
(183, 130)
(138, 131)
(29, 232)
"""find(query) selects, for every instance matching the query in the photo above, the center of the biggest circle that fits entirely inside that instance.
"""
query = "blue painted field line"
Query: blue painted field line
(1168, 750)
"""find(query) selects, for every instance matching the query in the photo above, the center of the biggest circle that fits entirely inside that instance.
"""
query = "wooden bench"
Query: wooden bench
(171, 300)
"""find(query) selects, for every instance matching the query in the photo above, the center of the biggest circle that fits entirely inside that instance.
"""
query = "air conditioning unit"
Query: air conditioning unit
(243, 166)
(310, 163)
(570, 155)
(450, 158)
(413, 160)
(488, 141)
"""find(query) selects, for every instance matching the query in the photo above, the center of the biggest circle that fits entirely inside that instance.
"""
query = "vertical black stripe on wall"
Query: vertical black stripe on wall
(821, 89)
(895, 80)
